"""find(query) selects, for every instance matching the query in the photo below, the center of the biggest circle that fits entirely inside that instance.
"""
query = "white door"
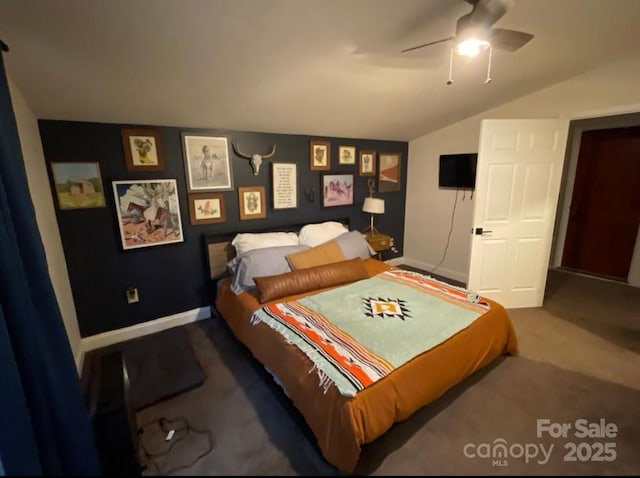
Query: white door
(517, 185)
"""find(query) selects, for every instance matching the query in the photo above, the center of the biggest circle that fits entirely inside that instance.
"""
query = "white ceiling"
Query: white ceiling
(317, 67)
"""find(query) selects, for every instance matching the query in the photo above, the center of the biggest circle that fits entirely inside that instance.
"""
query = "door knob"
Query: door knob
(480, 231)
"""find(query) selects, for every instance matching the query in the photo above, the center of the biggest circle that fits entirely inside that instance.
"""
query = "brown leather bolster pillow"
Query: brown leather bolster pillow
(305, 280)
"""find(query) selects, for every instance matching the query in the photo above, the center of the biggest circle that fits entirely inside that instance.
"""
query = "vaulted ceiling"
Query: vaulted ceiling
(318, 67)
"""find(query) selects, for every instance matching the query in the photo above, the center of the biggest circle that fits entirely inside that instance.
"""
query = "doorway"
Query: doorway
(605, 207)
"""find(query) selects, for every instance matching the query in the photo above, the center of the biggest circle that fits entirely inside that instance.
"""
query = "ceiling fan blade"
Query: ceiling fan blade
(427, 44)
(508, 40)
(488, 12)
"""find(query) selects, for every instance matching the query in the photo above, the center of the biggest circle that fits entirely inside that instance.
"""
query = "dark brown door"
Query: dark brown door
(605, 206)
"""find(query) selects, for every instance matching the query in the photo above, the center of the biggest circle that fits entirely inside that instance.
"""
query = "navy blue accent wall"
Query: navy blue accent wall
(173, 278)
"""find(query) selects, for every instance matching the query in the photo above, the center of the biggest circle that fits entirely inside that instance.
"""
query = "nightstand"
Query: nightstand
(379, 242)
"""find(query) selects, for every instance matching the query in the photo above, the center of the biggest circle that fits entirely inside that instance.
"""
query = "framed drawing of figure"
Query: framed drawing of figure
(252, 202)
(367, 165)
(207, 162)
(347, 155)
(320, 155)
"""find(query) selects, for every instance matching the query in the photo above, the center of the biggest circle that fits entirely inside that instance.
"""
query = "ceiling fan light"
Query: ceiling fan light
(471, 47)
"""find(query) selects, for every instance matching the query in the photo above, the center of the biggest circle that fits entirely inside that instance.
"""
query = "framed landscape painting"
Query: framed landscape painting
(78, 185)
(148, 212)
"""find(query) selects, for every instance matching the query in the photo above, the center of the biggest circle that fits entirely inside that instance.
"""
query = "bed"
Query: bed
(343, 422)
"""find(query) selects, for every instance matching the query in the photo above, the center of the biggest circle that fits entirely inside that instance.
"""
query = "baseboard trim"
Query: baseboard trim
(441, 271)
(396, 261)
(126, 333)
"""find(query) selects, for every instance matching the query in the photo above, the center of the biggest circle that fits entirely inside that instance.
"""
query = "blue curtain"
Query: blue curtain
(44, 426)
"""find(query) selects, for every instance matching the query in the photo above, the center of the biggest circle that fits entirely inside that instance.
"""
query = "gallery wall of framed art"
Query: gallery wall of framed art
(110, 248)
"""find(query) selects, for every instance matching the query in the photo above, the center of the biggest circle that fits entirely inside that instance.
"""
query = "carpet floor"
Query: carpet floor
(578, 360)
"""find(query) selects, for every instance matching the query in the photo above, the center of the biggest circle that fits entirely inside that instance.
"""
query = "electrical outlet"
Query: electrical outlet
(132, 295)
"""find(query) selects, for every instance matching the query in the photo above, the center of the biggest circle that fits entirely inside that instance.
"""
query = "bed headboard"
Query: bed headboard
(220, 251)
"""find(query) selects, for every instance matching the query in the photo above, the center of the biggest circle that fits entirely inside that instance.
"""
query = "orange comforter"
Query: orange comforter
(343, 424)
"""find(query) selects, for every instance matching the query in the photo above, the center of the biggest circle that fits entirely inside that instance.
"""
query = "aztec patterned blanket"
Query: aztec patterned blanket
(359, 333)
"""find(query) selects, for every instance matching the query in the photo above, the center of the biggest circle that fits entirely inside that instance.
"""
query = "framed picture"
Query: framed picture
(78, 185)
(285, 185)
(206, 208)
(347, 155)
(148, 212)
(207, 162)
(142, 149)
(367, 166)
(320, 155)
(389, 175)
(337, 190)
(252, 203)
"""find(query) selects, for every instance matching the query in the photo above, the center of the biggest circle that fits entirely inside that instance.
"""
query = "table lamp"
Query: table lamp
(373, 206)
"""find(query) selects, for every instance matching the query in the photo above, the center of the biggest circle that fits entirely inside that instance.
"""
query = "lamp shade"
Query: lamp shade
(373, 206)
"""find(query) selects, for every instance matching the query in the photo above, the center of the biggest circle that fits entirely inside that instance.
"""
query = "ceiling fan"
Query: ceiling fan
(475, 32)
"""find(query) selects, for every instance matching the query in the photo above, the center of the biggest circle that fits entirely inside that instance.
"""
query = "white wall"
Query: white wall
(612, 89)
(45, 214)
(428, 209)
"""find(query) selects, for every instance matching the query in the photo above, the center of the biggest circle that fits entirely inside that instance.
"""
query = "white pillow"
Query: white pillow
(245, 242)
(315, 234)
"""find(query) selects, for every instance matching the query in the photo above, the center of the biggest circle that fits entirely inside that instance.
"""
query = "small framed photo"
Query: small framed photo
(206, 208)
(285, 185)
(148, 212)
(252, 202)
(78, 185)
(142, 149)
(320, 155)
(337, 190)
(367, 166)
(389, 175)
(207, 162)
(347, 155)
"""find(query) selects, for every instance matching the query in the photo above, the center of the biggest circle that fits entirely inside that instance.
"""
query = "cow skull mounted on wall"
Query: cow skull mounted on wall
(256, 159)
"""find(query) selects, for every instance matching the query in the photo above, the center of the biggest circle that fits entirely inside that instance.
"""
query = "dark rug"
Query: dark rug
(160, 366)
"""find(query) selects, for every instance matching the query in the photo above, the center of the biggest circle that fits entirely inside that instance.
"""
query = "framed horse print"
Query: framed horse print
(148, 212)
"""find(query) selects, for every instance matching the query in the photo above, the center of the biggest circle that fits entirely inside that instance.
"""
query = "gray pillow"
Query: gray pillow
(353, 245)
(266, 261)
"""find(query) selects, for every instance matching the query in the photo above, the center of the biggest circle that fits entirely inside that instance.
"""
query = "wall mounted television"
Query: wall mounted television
(457, 170)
